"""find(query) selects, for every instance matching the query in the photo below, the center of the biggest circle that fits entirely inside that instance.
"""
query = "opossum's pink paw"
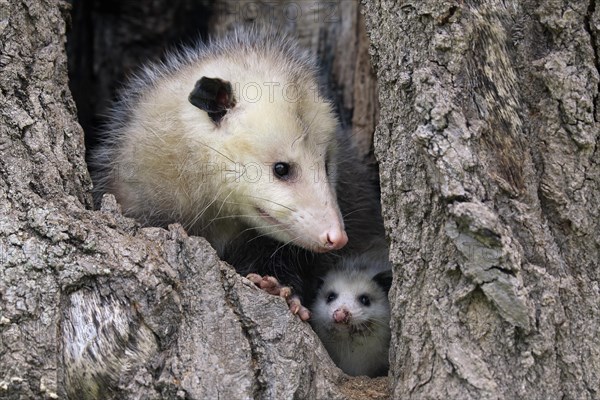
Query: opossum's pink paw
(296, 307)
(269, 285)
(272, 286)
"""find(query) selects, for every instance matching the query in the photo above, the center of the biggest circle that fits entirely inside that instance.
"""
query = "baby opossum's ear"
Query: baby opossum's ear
(319, 281)
(384, 280)
(214, 96)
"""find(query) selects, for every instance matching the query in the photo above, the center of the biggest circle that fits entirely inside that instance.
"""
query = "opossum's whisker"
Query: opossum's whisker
(267, 234)
(253, 228)
(261, 198)
(222, 204)
(245, 230)
(312, 121)
(285, 244)
(217, 217)
(232, 216)
(190, 223)
(271, 201)
(355, 211)
(285, 229)
(201, 213)
(335, 139)
(366, 327)
(217, 151)
(250, 204)
(365, 332)
(350, 221)
(353, 133)
(380, 321)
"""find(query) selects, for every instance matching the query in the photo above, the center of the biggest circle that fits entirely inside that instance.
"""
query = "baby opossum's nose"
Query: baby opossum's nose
(341, 316)
(334, 239)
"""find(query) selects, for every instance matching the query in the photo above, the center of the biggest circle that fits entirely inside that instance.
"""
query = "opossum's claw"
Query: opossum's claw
(296, 307)
(267, 283)
(272, 286)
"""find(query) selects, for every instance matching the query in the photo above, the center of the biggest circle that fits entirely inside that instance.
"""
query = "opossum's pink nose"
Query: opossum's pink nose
(334, 239)
(341, 316)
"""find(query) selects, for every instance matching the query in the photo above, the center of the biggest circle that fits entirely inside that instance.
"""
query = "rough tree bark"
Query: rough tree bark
(488, 150)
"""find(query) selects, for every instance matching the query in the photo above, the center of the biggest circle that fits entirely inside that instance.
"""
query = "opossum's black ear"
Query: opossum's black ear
(384, 279)
(214, 96)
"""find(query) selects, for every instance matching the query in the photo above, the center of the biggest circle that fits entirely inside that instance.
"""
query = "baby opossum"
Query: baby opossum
(225, 138)
(351, 313)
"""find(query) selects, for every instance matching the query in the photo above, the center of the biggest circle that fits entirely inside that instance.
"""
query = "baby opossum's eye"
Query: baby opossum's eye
(365, 301)
(331, 297)
(281, 170)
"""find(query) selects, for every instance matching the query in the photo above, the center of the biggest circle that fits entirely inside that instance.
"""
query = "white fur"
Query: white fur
(360, 346)
(166, 161)
(104, 339)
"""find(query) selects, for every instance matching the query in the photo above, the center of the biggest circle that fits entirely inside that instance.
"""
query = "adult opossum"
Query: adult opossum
(351, 313)
(232, 140)
(224, 138)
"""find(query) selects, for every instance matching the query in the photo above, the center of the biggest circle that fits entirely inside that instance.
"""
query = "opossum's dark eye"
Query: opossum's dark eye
(281, 170)
(365, 301)
(331, 297)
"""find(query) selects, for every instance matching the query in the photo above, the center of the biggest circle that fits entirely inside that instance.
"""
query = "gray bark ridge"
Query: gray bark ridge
(182, 324)
(488, 150)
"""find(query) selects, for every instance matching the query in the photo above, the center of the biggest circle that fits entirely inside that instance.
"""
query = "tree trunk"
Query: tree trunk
(488, 147)
(488, 151)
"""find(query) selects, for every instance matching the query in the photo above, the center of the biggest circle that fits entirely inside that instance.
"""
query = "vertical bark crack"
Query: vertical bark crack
(249, 330)
(588, 26)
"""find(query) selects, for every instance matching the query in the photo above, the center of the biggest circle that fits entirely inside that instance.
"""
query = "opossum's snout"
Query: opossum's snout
(318, 234)
(333, 239)
(322, 229)
(341, 316)
(322, 220)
